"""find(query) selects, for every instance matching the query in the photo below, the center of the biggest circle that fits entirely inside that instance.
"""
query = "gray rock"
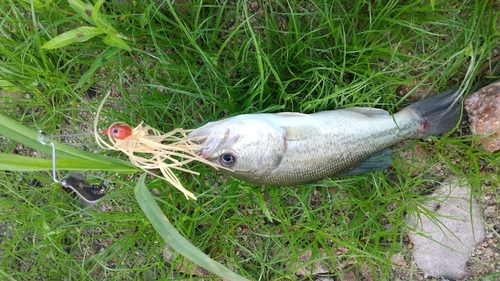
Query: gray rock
(445, 230)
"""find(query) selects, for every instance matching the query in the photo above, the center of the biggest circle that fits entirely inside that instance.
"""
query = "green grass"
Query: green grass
(198, 62)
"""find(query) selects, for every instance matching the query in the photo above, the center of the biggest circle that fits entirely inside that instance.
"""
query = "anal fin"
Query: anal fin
(377, 161)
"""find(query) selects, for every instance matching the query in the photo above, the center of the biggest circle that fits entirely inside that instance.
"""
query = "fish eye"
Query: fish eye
(227, 160)
(115, 131)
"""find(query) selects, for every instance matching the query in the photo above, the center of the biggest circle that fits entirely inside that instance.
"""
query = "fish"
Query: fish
(289, 149)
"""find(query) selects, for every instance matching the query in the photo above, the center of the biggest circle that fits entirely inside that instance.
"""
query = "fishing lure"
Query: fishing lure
(149, 149)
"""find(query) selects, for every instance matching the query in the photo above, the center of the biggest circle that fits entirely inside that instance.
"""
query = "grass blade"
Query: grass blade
(80, 34)
(173, 238)
(14, 162)
(113, 40)
(18, 132)
(83, 9)
(106, 55)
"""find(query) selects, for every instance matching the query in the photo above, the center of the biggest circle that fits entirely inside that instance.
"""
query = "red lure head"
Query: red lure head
(118, 131)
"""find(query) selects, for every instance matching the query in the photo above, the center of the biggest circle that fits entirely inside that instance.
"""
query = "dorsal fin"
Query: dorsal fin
(368, 111)
(292, 114)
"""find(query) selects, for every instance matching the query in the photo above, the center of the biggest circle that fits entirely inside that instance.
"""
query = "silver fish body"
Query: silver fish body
(293, 148)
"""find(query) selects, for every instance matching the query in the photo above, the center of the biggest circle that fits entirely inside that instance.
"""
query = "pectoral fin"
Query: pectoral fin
(377, 161)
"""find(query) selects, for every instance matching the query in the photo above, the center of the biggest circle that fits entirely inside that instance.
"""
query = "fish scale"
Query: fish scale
(299, 170)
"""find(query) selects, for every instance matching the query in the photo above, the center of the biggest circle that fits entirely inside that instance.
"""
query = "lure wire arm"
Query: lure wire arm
(41, 139)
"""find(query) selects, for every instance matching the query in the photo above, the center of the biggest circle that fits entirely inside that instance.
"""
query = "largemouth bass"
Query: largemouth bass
(292, 148)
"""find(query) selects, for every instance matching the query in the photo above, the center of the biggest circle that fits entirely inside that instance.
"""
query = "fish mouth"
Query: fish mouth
(211, 139)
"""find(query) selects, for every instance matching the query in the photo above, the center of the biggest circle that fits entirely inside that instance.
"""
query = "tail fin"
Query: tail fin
(440, 113)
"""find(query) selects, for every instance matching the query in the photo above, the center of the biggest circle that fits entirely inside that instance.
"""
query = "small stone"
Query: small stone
(318, 267)
(350, 276)
(399, 259)
(489, 253)
(155, 192)
(444, 235)
(490, 211)
(483, 108)
(182, 264)
(324, 278)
